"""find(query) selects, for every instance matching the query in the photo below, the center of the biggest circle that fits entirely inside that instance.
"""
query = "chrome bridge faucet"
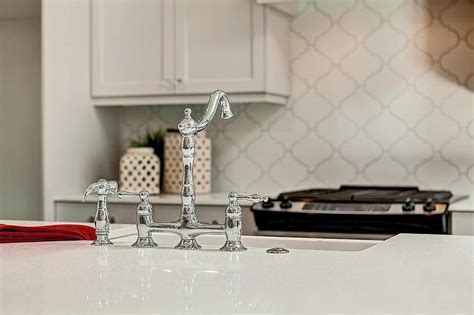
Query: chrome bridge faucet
(232, 227)
(187, 226)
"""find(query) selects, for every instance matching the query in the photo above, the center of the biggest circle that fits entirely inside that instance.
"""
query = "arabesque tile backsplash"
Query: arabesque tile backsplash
(382, 93)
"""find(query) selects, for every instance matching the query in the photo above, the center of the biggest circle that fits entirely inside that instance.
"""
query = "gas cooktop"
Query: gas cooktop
(356, 209)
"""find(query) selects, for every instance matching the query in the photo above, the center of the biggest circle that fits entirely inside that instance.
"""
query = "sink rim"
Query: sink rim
(266, 242)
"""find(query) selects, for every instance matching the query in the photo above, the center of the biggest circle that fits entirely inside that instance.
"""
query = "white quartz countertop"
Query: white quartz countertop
(407, 274)
(463, 205)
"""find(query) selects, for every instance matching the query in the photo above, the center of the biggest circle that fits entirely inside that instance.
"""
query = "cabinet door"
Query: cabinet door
(219, 45)
(132, 51)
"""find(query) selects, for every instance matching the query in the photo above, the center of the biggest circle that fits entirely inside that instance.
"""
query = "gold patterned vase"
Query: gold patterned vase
(173, 165)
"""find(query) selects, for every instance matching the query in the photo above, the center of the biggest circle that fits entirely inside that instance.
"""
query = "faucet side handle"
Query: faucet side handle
(102, 188)
(252, 197)
(233, 221)
(125, 194)
(145, 206)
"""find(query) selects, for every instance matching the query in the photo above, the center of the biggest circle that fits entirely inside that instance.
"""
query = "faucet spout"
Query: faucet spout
(217, 98)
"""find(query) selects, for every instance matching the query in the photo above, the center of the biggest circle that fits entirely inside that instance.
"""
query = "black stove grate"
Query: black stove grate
(369, 194)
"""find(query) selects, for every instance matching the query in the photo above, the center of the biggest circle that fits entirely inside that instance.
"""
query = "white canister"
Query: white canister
(140, 170)
(172, 180)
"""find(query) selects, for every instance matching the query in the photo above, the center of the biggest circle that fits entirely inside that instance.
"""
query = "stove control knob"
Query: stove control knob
(409, 205)
(267, 204)
(285, 203)
(429, 205)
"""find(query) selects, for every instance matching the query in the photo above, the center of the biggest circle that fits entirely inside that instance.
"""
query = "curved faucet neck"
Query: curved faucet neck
(216, 98)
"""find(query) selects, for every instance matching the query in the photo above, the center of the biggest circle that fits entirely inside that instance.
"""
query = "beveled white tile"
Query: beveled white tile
(386, 85)
(411, 63)
(361, 64)
(336, 86)
(459, 16)
(462, 185)
(411, 18)
(386, 42)
(266, 185)
(242, 131)
(310, 24)
(360, 21)
(311, 108)
(288, 129)
(223, 152)
(437, 129)
(243, 172)
(460, 106)
(436, 39)
(360, 150)
(336, 44)
(265, 151)
(386, 171)
(311, 66)
(298, 45)
(386, 129)
(288, 171)
(470, 176)
(460, 151)
(335, 171)
(361, 107)
(460, 61)
(411, 151)
(299, 87)
(411, 107)
(335, 9)
(385, 8)
(470, 38)
(336, 129)
(436, 85)
(311, 150)
(437, 173)
(470, 129)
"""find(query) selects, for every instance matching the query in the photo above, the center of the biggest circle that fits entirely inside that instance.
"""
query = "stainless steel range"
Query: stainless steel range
(369, 212)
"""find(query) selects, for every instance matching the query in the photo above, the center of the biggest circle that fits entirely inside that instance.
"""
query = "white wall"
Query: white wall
(80, 142)
(14, 9)
(20, 111)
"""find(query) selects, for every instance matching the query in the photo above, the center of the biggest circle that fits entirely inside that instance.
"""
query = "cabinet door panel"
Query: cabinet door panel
(219, 45)
(129, 54)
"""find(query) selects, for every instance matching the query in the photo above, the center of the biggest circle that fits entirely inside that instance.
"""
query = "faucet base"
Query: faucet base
(188, 244)
(101, 241)
(233, 246)
(145, 242)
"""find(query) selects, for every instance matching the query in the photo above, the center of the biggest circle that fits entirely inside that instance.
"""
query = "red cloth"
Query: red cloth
(59, 232)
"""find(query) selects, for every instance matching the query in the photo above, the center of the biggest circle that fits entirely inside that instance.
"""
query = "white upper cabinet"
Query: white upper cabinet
(219, 45)
(179, 51)
(129, 47)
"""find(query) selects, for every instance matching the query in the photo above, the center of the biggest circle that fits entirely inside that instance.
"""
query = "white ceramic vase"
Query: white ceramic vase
(140, 170)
